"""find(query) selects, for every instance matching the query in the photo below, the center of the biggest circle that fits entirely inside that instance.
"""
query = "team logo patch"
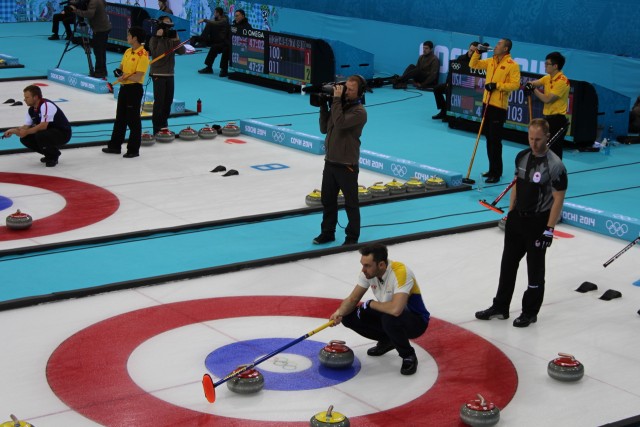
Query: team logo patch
(536, 177)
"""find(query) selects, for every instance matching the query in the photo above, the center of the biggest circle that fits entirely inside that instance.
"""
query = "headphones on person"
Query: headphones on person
(362, 84)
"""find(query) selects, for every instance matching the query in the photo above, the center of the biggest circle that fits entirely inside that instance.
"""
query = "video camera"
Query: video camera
(78, 4)
(167, 29)
(320, 95)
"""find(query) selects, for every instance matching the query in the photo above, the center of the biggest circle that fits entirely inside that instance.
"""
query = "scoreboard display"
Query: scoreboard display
(466, 87)
(283, 57)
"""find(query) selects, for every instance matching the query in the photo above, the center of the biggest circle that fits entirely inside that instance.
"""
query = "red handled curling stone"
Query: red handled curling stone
(502, 224)
(479, 412)
(414, 185)
(336, 355)
(188, 134)
(379, 190)
(329, 418)
(249, 382)
(313, 199)
(207, 133)
(147, 139)
(435, 183)
(165, 135)
(231, 129)
(396, 187)
(19, 221)
(565, 368)
(364, 193)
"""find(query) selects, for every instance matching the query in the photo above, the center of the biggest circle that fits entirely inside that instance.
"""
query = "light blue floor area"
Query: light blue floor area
(399, 124)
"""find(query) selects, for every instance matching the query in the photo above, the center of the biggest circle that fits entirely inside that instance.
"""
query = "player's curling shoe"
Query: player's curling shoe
(206, 70)
(50, 163)
(441, 115)
(110, 150)
(128, 155)
(350, 241)
(492, 180)
(323, 238)
(523, 321)
(409, 365)
(224, 73)
(492, 313)
(380, 348)
(486, 174)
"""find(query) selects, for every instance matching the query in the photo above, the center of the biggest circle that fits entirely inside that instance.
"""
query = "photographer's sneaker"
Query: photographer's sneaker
(206, 70)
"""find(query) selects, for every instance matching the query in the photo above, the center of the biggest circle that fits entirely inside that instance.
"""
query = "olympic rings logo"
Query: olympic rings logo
(616, 228)
(398, 170)
(277, 136)
(285, 364)
(455, 65)
(73, 81)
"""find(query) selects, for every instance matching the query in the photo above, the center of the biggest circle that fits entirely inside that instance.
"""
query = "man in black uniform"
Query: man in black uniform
(343, 126)
(218, 33)
(535, 206)
(46, 127)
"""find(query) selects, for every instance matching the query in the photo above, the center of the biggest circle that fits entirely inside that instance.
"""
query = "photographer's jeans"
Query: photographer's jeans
(99, 43)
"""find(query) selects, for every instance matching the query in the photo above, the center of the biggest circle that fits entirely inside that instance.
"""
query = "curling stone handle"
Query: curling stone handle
(482, 401)
(337, 342)
(570, 356)
(329, 413)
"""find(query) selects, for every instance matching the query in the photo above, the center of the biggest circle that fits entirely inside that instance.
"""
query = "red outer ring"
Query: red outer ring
(86, 204)
(88, 371)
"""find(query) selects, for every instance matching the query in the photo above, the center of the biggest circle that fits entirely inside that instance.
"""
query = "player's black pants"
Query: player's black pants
(521, 233)
(336, 177)
(46, 142)
(439, 92)
(128, 115)
(493, 122)
(163, 91)
(379, 326)
(556, 122)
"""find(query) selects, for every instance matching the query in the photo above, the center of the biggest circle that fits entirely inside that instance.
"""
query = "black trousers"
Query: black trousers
(555, 124)
(99, 44)
(493, 123)
(218, 48)
(438, 93)
(335, 178)
(163, 91)
(67, 19)
(379, 326)
(521, 233)
(128, 115)
(46, 142)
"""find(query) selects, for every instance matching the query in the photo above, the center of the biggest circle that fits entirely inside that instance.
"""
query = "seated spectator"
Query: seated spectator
(163, 6)
(634, 117)
(440, 90)
(68, 18)
(424, 74)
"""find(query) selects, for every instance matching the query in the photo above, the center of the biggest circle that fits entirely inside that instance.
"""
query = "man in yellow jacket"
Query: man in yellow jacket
(502, 77)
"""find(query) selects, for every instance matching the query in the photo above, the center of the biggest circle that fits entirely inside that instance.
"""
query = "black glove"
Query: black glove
(528, 88)
(363, 307)
(118, 72)
(546, 239)
(491, 86)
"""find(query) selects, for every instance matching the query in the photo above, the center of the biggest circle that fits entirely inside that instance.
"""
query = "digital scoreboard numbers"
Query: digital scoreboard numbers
(247, 51)
(290, 58)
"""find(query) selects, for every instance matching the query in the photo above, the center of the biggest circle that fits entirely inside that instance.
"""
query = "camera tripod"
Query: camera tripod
(83, 29)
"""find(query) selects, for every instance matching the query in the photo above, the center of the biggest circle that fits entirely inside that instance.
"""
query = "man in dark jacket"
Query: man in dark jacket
(100, 25)
(424, 73)
(440, 90)
(343, 126)
(219, 32)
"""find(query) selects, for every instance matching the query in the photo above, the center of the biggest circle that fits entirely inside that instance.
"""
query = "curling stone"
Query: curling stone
(565, 368)
(188, 134)
(15, 422)
(479, 412)
(147, 139)
(19, 220)
(147, 106)
(336, 355)
(364, 193)
(396, 187)
(379, 190)
(207, 133)
(313, 199)
(249, 382)
(231, 129)
(435, 183)
(165, 135)
(502, 224)
(329, 418)
(414, 185)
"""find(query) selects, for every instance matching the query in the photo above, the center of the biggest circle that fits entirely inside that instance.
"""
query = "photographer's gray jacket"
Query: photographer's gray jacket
(97, 16)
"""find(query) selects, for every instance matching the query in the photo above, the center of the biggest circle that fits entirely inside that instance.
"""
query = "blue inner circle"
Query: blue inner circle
(5, 203)
(224, 360)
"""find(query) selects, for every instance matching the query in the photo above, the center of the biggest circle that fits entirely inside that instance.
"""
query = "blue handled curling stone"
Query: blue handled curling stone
(565, 368)
(479, 413)
(336, 355)
(248, 382)
(329, 418)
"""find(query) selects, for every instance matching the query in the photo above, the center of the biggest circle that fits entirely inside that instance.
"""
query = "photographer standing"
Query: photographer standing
(162, 71)
(343, 125)
(96, 13)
